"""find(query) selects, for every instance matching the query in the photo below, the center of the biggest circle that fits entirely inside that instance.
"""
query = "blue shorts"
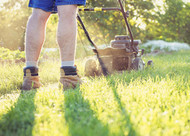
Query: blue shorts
(51, 5)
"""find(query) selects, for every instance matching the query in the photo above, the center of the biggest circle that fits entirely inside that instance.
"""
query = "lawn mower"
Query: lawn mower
(122, 54)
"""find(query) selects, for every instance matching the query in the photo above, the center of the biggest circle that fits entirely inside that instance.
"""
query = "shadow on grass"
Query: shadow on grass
(19, 120)
(80, 117)
(128, 125)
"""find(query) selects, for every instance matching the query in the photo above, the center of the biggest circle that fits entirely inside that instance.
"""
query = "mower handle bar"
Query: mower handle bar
(100, 9)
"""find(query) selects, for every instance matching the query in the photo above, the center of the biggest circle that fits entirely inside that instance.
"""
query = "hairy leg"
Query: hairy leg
(35, 34)
(66, 33)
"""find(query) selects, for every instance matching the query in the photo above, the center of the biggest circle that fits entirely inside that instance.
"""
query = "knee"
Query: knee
(67, 12)
(40, 15)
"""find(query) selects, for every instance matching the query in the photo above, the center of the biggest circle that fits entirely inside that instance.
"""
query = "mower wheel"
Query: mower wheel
(138, 64)
(91, 67)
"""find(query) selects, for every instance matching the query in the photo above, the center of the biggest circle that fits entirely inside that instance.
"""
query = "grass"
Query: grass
(153, 102)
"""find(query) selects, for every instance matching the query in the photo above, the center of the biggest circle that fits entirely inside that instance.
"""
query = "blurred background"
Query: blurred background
(167, 20)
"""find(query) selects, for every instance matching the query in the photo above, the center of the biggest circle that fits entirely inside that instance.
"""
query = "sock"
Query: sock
(67, 63)
(31, 64)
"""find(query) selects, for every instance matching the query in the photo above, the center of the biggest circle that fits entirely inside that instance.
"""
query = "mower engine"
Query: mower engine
(119, 56)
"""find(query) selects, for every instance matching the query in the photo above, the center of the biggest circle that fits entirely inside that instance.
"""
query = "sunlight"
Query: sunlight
(186, 1)
(1, 4)
(2, 1)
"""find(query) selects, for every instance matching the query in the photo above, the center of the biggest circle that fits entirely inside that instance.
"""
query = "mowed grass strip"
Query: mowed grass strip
(155, 101)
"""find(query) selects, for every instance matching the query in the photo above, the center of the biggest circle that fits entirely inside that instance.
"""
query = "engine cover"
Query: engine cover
(123, 42)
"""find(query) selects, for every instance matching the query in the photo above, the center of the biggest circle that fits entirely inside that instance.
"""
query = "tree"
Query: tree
(174, 24)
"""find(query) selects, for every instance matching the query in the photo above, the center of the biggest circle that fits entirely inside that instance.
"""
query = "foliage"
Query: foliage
(6, 54)
(150, 102)
(176, 19)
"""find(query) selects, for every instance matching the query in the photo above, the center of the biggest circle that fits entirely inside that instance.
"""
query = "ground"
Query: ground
(153, 102)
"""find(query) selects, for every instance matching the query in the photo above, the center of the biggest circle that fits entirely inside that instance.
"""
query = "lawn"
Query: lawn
(153, 102)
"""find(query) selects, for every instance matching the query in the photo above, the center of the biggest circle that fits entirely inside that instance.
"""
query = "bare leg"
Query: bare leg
(66, 34)
(35, 34)
(66, 37)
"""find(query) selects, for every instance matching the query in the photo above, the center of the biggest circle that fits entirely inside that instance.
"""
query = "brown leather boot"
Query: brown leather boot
(31, 78)
(69, 78)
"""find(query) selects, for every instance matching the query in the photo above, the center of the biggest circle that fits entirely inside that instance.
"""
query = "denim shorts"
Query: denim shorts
(51, 5)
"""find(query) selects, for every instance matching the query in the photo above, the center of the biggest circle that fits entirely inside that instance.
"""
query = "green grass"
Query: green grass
(153, 102)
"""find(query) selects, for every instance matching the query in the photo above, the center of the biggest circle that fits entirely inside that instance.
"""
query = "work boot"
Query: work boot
(31, 78)
(68, 77)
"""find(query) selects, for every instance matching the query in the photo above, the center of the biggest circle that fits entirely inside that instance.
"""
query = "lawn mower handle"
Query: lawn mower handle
(103, 67)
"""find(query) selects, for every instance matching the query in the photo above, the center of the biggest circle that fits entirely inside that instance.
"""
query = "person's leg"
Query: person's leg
(66, 37)
(66, 33)
(35, 35)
